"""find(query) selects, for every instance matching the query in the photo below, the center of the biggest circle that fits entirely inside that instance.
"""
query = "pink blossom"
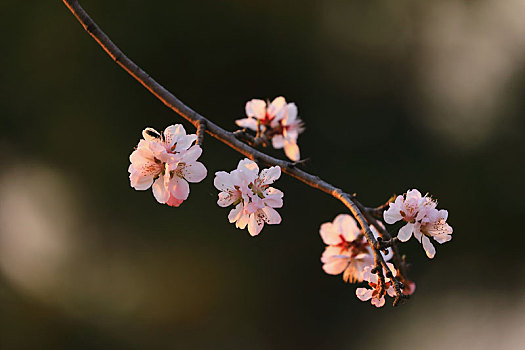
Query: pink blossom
(433, 225)
(251, 194)
(422, 219)
(347, 249)
(407, 208)
(166, 162)
(373, 293)
(277, 120)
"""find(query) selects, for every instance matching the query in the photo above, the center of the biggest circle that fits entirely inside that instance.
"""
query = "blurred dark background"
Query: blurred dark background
(395, 95)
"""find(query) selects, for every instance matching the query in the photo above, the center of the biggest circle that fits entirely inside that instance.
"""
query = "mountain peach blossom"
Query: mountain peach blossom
(278, 121)
(347, 248)
(251, 194)
(422, 219)
(433, 225)
(166, 162)
(374, 292)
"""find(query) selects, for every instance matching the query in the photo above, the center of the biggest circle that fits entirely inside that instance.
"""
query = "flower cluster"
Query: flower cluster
(422, 219)
(277, 121)
(374, 294)
(170, 158)
(167, 161)
(251, 194)
(347, 249)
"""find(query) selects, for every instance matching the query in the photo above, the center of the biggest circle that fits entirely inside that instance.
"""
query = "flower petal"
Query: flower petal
(223, 181)
(270, 175)
(195, 172)
(329, 234)
(185, 142)
(347, 226)
(172, 134)
(292, 151)
(277, 104)
(192, 154)
(256, 108)
(405, 232)
(160, 191)
(278, 141)
(255, 225)
(378, 302)
(364, 294)
(272, 216)
(179, 188)
(174, 202)
(249, 169)
(393, 213)
(235, 213)
(429, 248)
(247, 123)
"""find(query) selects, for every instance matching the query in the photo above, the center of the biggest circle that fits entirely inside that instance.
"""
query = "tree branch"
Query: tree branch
(232, 139)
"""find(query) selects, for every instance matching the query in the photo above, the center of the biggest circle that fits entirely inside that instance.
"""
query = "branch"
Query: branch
(229, 138)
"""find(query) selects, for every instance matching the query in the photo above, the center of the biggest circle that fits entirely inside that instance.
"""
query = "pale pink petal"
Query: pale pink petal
(275, 106)
(139, 182)
(247, 123)
(256, 108)
(393, 213)
(332, 252)
(347, 226)
(329, 234)
(336, 266)
(364, 294)
(225, 199)
(242, 221)
(292, 151)
(235, 213)
(195, 172)
(291, 112)
(179, 188)
(378, 302)
(223, 181)
(192, 154)
(274, 200)
(428, 247)
(255, 225)
(172, 134)
(160, 191)
(174, 202)
(184, 142)
(413, 195)
(141, 155)
(417, 232)
(405, 232)
(444, 238)
(278, 141)
(248, 168)
(270, 175)
(272, 216)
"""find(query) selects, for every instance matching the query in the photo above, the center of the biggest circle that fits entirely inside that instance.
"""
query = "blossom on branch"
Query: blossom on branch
(251, 194)
(376, 292)
(347, 249)
(166, 162)
(277, 121)
(422, 219)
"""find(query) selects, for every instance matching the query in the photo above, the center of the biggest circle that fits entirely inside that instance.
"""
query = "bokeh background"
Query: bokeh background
(395, 95)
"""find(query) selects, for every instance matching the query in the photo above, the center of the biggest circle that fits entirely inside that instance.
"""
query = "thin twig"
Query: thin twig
(227, 137)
